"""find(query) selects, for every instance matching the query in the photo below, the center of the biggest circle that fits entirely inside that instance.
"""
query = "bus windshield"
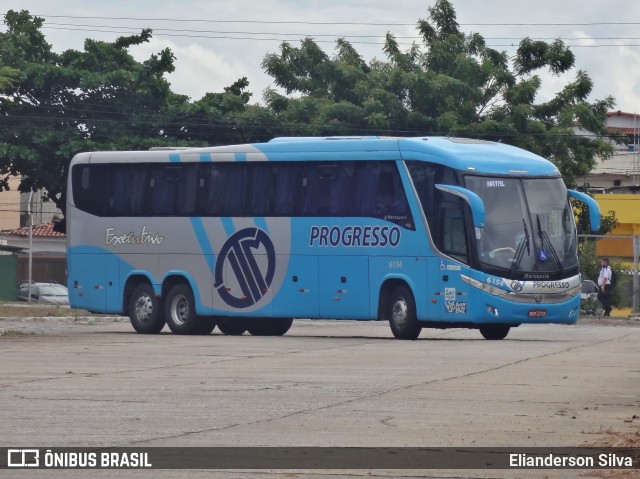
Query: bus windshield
(529, 225)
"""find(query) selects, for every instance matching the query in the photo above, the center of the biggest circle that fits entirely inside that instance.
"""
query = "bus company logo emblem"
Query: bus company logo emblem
(516, 286)
(251, 275)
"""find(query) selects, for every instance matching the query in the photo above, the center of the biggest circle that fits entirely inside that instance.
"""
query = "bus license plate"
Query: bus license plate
(537, 313)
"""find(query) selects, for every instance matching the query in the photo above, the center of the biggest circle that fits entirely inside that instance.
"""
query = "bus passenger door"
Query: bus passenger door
(344, 287)
(450, 293)
(453, 294)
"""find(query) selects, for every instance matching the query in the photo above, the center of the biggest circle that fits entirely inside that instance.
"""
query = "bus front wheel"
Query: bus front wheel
(180, 311)
(144, 310)
(495, 332)
(401, 312)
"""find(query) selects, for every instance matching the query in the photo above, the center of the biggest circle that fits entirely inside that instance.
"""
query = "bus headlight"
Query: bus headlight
(484, 286)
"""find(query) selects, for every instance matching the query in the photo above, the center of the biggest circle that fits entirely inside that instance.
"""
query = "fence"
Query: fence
(44, 269)
(623, 252)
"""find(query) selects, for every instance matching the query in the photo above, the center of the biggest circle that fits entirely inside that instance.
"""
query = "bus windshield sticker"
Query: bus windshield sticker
(457, 308)
(495, 184)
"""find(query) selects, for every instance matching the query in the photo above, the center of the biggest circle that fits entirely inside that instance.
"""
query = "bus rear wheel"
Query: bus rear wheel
(232, 326)
(495, 332)
(180, 311)
(269, 326)
(401, 313)
(144, 310)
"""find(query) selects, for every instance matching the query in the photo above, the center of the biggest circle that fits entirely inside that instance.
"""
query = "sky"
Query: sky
(216, 42)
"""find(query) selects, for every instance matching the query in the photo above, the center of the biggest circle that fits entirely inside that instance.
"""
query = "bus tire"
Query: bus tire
(401, 312)
(205, 325)
(269, 326)
(232, 326)
(180, 310)
(144, 310)
(495, 332)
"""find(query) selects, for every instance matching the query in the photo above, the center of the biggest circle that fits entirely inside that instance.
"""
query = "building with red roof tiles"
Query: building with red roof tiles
(44, 239)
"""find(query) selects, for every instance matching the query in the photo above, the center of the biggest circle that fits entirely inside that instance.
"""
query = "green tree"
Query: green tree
(452, 84)
(222, 118)
(53, 106)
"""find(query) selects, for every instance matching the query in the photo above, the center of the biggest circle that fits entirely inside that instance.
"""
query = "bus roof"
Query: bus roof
(460, 153)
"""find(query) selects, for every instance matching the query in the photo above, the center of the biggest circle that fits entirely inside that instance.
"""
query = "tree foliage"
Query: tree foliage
(451, 84)
(53, 105)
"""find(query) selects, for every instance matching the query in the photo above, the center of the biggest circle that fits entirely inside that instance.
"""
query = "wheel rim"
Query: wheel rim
(144, 308)
(179, 310)
(399, 312)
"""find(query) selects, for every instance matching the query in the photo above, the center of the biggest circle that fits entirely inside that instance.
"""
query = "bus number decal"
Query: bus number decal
(354, 236)
(253, 280)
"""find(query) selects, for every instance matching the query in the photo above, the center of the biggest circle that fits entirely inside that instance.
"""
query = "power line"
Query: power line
(299, 22)
(163, 31)
(276, 39)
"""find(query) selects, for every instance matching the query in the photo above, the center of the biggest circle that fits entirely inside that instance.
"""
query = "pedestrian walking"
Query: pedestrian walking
(604, 286)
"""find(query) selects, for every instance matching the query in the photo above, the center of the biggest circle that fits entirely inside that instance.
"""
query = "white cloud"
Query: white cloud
(209, 64)
(198, 69)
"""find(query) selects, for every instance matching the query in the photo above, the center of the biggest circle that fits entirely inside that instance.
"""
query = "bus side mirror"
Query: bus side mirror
(475, 202)
(594, 209)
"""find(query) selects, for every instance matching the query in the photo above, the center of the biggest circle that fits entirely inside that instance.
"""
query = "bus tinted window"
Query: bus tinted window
(90, 188)
(444, 212)
(224, 191)
(349, 188)
(128, 187)
(171, 191)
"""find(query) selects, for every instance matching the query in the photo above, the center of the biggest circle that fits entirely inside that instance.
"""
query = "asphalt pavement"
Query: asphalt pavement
(94, 382)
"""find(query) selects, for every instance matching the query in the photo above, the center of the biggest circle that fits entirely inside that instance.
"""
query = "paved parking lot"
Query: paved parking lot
(95, 383)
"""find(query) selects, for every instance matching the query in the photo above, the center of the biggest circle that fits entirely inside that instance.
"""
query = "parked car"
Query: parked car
(589, 290)
(47, 293)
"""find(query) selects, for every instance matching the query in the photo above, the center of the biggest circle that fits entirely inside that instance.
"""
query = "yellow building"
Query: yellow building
(627, 209)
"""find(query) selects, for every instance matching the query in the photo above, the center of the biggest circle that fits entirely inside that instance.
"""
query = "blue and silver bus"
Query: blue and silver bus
(420, 232)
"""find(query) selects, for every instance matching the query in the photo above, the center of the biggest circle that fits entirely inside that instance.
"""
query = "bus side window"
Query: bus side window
(128, 189)
(391, 199)
(186, 190)
(453, 234)
(260, 188)
(90, 188)
(171, 190)
(288, 189)
(367, 177)
(341, 190)
(327, 189)
(309, 187)
(225, 192)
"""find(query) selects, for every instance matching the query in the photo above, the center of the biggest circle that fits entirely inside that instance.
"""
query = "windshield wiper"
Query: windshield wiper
(520, 250)
(545, 240)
